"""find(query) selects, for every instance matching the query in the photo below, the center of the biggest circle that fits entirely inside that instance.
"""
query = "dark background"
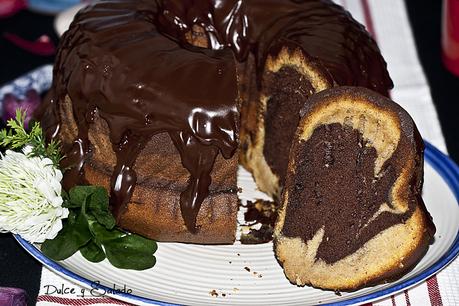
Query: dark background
(19, 269)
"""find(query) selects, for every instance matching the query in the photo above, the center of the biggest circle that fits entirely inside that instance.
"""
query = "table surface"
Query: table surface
(19, 269)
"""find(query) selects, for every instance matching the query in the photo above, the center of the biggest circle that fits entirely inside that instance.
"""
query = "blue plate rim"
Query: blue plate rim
(447, 169)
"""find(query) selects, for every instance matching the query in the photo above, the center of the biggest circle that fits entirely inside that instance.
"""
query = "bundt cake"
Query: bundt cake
(157, 101)
(351, 211)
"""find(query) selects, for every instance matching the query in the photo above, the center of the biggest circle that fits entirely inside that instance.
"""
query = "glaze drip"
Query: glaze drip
(124, 178)
(198, 159)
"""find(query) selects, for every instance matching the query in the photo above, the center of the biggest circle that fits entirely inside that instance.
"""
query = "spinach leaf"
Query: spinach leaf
(92, 252)
(72, 237)
(78, 195)
(131, 252)
(125, 250)
(90, 228)
(97, 203)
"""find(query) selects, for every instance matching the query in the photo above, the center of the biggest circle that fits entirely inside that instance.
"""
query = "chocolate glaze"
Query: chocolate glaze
(129, 61)
(113, 61)
(321, 28)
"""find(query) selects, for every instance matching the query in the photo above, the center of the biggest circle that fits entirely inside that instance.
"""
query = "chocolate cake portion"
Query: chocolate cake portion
(288, 88)
(154, 210)
(141, 83)
(343, 195)
(260, 217)
(351, 210)
(321, 28)
(290, 77)
(195, 77)
(265, 34)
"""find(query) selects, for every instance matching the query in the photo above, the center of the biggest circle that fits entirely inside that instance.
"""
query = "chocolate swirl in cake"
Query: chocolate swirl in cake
(352, 212)
(344, 197)
(129, 62)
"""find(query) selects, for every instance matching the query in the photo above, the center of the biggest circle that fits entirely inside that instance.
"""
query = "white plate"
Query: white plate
(63, 19)
(50, 6)
(188, 274)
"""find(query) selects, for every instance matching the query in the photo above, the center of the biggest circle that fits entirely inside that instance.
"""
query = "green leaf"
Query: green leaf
(78, 195)
(98, 205)
(126, 253)
(16, 137)
(69, 204)
(124, 250)
(53, 151)
(64, 195)
(92, 231)
(71, 219)
(92, 252)
(72, 237)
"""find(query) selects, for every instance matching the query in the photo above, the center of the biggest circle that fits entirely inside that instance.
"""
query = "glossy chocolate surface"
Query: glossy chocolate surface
(321, 28)
(129, 62)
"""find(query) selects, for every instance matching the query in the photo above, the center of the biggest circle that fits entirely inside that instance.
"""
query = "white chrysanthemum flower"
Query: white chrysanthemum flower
(30, 196)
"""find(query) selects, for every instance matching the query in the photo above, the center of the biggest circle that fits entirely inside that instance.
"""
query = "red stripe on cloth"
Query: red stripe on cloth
(407, 298)
(392, 298)
(368, 18)
(367, 304)
(434, 291)
(81, 301)
(371, 29)
(432, 284)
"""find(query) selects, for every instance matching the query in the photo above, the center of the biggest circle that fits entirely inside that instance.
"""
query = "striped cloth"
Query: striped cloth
(388, 22)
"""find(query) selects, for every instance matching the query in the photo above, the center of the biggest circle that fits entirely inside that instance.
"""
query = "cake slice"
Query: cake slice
(351, 212)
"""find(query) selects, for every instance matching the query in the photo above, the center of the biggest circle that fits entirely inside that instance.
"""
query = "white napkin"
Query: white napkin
(56, 290)
(389, 22)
